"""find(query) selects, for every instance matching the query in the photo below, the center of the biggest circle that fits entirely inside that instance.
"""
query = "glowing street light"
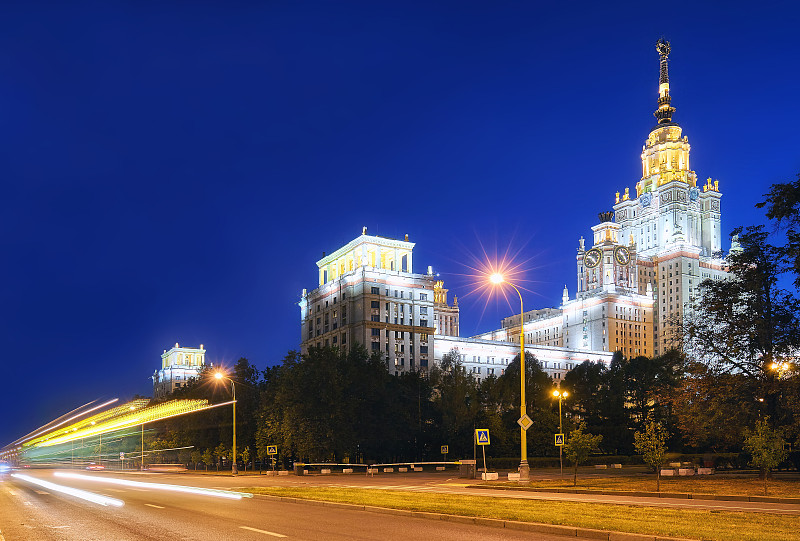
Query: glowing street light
(781, 368)
(524, 470)
(220, 376)
(560, 395)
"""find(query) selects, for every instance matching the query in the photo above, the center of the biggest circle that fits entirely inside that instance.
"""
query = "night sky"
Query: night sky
(172, 171)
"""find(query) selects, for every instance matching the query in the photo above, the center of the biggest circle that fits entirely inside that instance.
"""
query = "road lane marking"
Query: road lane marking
(154, 505)
(115, 489)
(273, 534)
(41, 492)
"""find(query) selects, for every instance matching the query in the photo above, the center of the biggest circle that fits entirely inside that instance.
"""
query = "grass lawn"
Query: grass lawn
(706, 525)
(739, 486)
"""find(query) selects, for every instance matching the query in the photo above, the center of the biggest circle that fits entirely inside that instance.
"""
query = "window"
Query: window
(423, 349)
(423, 322)
(376, 318)
(376, 332)
(423, 310)
(375, 304)
(423, 296)
(375, 291)
(376, 346)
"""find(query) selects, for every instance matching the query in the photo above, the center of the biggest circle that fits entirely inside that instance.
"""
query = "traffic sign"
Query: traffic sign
(444, 449)
(525, 422)
(482, 436)
(272, 449)
(121, 455)
(559, 439)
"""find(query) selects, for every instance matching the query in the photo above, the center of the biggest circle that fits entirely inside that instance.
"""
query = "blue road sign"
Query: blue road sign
(482, 436)
(559, 439)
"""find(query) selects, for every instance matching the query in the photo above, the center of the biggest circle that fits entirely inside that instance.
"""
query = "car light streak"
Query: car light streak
(158, 486)
(78, 493)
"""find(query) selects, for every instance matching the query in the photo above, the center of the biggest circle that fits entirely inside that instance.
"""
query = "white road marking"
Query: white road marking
(115, 489)
(41, 492)
(273, 534)
(154, 505)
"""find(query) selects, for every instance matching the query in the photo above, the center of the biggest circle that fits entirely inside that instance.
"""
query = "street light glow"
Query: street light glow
(218, 375)
(496, 278)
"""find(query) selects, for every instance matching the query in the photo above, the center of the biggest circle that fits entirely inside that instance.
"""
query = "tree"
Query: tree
(767, 448)
(197, 456)
(652, 445)
(246, 456)
(746, 321)
(220, 452)
(783, 206)
(208, 458)
(578, 447)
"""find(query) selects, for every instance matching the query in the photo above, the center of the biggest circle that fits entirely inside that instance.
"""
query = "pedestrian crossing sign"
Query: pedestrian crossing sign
(559, 440)
(272, 449)
(482, 436)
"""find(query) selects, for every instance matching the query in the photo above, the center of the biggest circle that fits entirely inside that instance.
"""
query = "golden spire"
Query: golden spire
(665, 110)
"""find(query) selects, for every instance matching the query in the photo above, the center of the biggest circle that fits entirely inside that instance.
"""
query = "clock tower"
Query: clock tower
(610, 264)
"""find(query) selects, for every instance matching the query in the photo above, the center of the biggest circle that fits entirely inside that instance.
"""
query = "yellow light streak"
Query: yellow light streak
(157, 486)
(125, 418)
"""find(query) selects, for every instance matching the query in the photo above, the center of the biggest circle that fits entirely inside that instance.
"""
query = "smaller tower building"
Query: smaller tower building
(178, 365)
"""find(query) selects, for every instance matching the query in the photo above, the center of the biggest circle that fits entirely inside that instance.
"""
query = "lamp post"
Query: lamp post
(560, 395)
(220, 376)
(781, 368)
(524, 469)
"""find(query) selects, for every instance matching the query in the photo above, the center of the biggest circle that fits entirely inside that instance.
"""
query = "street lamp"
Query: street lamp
(220, 376)
(524, 469)
(560, 395)
(781, 368)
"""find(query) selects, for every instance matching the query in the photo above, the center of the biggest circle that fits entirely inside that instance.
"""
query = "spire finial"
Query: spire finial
(664, 111)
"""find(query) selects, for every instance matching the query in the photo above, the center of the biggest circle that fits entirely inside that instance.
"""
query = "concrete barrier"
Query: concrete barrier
(513, 476)
(686, 471)
(667, 473)
(417, 468)
(372, 471)
(490, 476)
(674, 464)
(388, 470)
(439, 468)
(402, 470)
(347, 470)
(704, 471)
(283, 472)
(271, 472)
(617, 466)
(325, 471)
(600, 467)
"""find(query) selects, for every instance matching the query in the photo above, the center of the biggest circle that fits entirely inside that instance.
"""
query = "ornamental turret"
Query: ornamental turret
(665, 110)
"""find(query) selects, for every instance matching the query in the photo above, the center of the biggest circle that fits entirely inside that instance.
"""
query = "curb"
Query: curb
(536, 527)
(674, 495)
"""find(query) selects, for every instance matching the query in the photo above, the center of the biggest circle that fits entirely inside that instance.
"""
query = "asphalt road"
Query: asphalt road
(30, 512)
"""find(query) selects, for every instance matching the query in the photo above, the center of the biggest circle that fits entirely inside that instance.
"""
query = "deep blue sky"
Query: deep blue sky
(172, 171)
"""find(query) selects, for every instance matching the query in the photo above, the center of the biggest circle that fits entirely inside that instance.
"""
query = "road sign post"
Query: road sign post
(559, 440)
(482, 439)
(272, 450)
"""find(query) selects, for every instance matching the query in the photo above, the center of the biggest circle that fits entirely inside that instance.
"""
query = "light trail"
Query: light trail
(78, 493)
(157, 486)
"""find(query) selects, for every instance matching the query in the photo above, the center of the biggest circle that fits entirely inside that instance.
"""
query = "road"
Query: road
(31, 512)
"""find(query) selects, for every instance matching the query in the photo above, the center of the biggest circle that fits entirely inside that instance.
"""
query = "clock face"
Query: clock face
(622, 255)
(592, 258)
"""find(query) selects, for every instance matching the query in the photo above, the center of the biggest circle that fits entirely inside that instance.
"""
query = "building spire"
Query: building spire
(664, 111)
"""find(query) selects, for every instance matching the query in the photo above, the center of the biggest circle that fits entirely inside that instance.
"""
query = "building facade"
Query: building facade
(369, 294)
(178, 365)
(647, 259)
